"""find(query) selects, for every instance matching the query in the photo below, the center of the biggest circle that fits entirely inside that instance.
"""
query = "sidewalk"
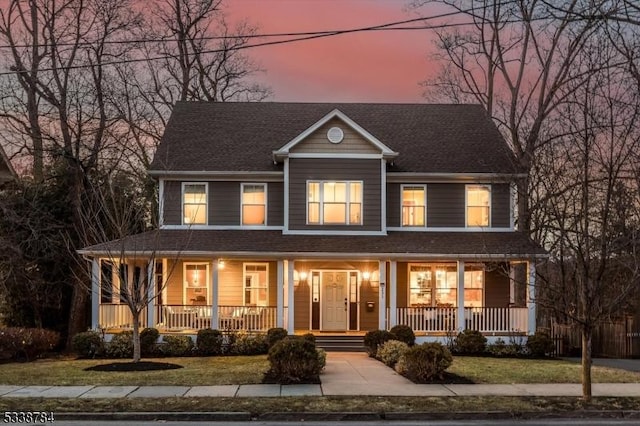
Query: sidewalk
(345, 374)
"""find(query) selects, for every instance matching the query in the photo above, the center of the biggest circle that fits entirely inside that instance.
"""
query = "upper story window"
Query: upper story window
(194, 203)
(413, 205)
(478, 205)
(254, 204)
(334, 202)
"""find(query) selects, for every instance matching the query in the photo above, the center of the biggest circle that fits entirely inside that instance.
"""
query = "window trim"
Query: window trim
(207, 279)
(466, 205)
(347, 203)
(266, 204)
(206, 210)
(476, 267)
(402, 188)
(244, 281)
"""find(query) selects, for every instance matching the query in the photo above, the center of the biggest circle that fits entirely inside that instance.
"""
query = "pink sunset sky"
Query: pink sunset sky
(381, 66)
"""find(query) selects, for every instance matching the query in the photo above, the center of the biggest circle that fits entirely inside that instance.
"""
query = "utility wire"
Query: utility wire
(303, 36)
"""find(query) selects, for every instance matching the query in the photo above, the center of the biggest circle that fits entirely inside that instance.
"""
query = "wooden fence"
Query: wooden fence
(614, 339)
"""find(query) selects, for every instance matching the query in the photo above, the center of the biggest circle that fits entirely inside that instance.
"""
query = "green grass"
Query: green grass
(197, 371)
(509, 370)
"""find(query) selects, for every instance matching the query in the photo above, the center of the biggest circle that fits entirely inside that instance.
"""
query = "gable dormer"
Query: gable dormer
(335, 178)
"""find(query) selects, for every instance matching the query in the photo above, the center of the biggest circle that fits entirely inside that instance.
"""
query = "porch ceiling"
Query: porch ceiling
(395, 245)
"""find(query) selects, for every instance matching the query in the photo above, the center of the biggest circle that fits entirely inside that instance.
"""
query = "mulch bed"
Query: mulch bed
(134, 366)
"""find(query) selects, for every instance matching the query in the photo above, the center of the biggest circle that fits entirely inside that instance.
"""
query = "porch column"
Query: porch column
(215, 265)
(531, 297)
(382, 300)
(512, 285)
(393, 294)
(151, 293)
(95, 293)
(460, 314)
(280, 295)
(290, 298)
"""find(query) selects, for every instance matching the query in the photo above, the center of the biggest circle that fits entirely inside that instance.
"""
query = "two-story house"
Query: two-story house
(328, 218)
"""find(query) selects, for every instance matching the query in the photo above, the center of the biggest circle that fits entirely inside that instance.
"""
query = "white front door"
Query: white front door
(334, 300)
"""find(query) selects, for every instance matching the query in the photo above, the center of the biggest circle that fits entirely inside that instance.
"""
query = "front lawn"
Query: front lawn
(236, 370)
(513, 370)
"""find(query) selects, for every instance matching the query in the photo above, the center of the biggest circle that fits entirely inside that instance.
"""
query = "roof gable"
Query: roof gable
(334, 116)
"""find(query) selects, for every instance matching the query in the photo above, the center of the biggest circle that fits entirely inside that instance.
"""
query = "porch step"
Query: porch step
(340, 343)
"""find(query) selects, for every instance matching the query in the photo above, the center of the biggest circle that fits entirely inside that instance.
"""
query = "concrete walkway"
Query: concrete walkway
(345, 374)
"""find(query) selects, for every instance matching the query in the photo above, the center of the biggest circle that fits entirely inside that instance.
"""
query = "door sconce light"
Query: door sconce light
(366, 275)
(220, 264)
(303, 276)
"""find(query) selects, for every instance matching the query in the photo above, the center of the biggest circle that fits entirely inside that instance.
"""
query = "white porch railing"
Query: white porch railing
(112, 315)
(442, 320)
(496, 320)
(428, 319)
(250, 318)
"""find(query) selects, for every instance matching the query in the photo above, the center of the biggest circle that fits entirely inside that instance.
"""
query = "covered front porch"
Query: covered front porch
(329, 295)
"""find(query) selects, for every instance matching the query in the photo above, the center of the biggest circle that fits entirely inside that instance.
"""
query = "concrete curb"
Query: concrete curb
(347, 416)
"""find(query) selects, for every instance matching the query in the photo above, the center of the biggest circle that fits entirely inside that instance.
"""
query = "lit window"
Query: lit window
(194, 202)
(433, 285)
(256, 284)
(334, 202)
(473, 286)
(478, 205)
(413, 205)
(254, 204)
(196, 283)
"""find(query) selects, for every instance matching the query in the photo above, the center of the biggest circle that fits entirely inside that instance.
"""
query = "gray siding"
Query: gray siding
(394, 201)
(275, 203)
(500, 205)
(303, 169)
(172, 203)
(224, 203)
(445, 205)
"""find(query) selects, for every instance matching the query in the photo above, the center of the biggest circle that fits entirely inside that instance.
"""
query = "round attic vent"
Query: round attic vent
(335, 135)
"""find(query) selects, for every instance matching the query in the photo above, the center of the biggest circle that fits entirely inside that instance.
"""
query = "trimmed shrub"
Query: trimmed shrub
(27, 343)
(149, 341)
(246, 343)
(424, 363)
(121, 345)
(294, 361)
(391, 351)
(500, 349)
(403, 333)
(540, 344)
(88, 344)
(375, 338)
(176, 346)
(209, 342)
(470, 342)
(322, 358)
(310, 337)
(274, 335)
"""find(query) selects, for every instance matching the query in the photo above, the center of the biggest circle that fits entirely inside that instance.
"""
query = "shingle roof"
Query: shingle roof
(241, 136)
(492, 245)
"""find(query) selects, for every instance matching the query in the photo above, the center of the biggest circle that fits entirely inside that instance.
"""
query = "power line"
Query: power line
(297, 37)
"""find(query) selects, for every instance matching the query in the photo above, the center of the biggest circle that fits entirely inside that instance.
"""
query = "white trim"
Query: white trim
(331, 231)
(347, 202)
(424, 188)
(382, 301)
(420, 177)
(393, 294)
(223, 227)
(290, 298)
(513, 193)
(284, 150)
(217, 175)
(280, 294)
(184, 278)
(286, 196)
(466, 205)
(244, 281)
(383, 196)
(165, 278)
(531, 297)
(215, 283)
(460, 300)
(161, 203)
(206, 213)
(266, 204)
(96, 292)
(447, 229)
(151, 293)
(333, 155)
